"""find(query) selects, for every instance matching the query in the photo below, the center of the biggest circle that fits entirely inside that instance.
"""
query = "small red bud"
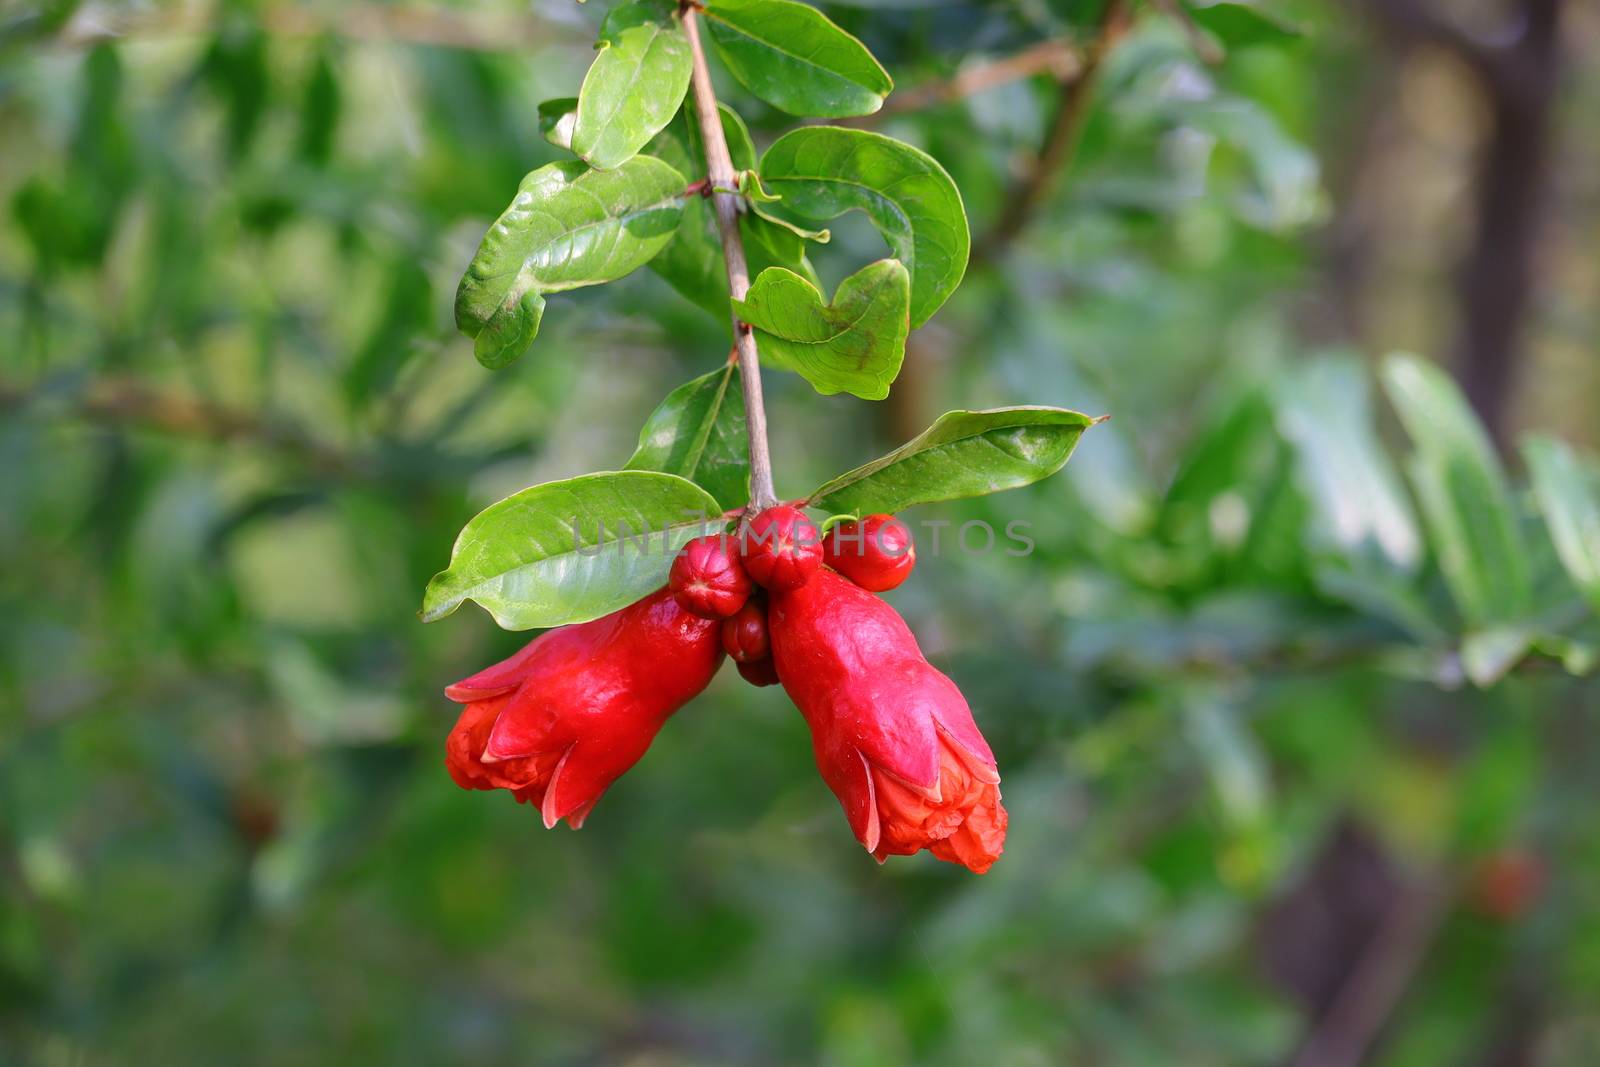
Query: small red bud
(759, 672)
(781, 549)
(876, 553)
(744, 636)
(707, 578)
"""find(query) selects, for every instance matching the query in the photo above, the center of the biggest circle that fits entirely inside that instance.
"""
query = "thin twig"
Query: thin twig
(1060, 59)
(1209, 51)
(1060, 141)
(442, 27)
(719, 170)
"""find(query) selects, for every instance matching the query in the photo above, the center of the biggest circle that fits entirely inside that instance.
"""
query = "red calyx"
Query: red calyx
(893, 737)
(744, 636)
(876, 552)
(707, 578)
(562, 719)
(781, 549)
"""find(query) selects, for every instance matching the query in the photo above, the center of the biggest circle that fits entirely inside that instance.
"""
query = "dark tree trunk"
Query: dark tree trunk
(1498, 276)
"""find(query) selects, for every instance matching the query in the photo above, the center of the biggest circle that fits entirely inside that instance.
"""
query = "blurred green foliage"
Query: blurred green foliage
(1276, 673)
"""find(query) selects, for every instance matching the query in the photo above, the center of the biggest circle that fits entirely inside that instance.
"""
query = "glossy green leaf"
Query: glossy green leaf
(556, 120)
(853, 345)
(1567, 499)
(964, 453)
(693, 264)
(634, 86)
(572, 550)
(1462, 492)
(794, 58)
(698, 432)
(821, 172)
(568, 227)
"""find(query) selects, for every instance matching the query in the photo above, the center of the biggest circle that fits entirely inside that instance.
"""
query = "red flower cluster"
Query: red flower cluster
(560, 721)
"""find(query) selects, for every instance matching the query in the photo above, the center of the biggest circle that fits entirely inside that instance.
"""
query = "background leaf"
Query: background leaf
(1462, 491)
(1240, 25)
(634, 86)
(572, 550)
(698, 432)
(569, 226)
(791, 56)
(1325, 410)
(853, 345)
(1566, 495)
(824, 171)
(964, 453)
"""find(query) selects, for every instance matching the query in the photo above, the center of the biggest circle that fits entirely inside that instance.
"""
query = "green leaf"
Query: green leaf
(692, 264)
(1462, 492)
(568, 227)
(556, 120)
(853, 345)
(1566, 496)
(791, 56)
(698, 432)
(751, 189)
(964, 453)
(634, 86)
(1239, 25)
(572, 550)
(824, 171)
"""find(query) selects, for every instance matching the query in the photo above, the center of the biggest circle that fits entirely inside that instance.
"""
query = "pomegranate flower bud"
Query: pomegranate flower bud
(744, 635)
(876, 553)
(893, 737)
(562, 719)
(781, 549)
(708, 579)
(758, 672)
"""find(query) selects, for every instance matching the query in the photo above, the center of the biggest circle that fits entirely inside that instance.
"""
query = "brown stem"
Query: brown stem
(719, 171)
(1062, 138)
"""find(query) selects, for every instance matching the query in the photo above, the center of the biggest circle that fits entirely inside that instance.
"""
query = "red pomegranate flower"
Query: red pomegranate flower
(562, 719)
(893, 737)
